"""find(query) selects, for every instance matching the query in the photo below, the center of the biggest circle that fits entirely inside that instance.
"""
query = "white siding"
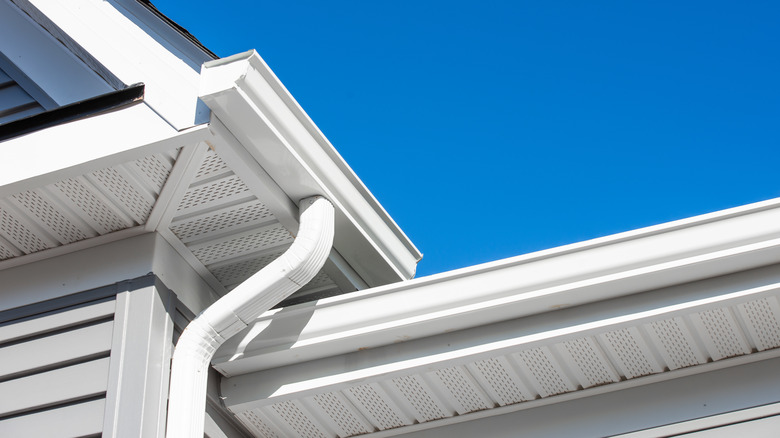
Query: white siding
(54, 365)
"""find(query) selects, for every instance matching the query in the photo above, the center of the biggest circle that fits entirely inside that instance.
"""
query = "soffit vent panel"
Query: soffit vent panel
(260, 425)
(545, 372)
(762, 322)
(207, 212)
(562, 364)
(590, 364)
(460, 389)
(344, 417)
(82, 207)
(630, 352)
(426, 405)
(721, 333)
(676, 343)
(499, 379)
(229, 230)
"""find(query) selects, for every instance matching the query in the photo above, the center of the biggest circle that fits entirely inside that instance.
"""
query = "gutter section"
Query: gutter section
(233, 312)
(624, 264)
(249, 100)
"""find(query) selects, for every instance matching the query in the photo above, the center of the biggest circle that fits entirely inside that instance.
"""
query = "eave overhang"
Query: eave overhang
(636, 308)
(624, 264)
(202, 189)
(246, 97)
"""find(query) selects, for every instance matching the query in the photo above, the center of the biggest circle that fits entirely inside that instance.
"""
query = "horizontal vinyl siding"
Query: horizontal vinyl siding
(54, 368)
(52, 387)
(15, 103)
(74, 420)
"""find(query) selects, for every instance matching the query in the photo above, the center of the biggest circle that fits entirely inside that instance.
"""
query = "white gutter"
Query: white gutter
(247, 98)
(233, 312)
(679, 252)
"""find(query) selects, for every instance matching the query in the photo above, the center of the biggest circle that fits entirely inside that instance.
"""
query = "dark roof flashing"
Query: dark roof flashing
(177, 27)
(74, 111)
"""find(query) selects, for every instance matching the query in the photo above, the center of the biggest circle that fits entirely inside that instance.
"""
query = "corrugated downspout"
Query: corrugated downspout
(233, 312)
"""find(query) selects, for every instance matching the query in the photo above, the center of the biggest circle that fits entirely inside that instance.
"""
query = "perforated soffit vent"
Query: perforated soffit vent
(512, 376)
(229, 229)
(89, 205)
(222, 228)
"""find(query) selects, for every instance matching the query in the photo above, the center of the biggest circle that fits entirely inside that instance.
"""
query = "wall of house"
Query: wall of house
(89, 363)
(54, 365)
(93, 362)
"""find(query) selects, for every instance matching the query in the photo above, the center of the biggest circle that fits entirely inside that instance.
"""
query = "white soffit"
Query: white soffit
(515, 365)
(91, 143)
(226, 218)
(228, 230)
(259, 112)
(95, 203)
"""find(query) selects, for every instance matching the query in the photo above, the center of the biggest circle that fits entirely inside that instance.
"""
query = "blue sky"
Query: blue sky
(491, 129)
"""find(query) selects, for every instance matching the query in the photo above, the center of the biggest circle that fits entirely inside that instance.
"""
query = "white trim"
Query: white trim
(80, 245)
(246, 96)
(610, 267)
(72, 149)
(169, 37)
(308, 378)
(193, 261)
(184, 168)
(253, 175)
(142, 340)
(44, 60)
(117, 41)
(108, 263)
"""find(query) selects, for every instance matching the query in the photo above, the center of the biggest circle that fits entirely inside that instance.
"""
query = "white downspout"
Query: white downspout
(234, 311)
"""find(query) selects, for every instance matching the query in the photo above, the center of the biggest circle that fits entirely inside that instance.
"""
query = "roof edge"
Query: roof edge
(249, 99)
(624, 264)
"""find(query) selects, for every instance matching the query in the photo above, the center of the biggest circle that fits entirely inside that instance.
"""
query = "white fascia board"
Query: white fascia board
(171, 38)
(131, 51)
(39, 56)
(306, 379)
(71, 149)
(624, 264)
(253, 104)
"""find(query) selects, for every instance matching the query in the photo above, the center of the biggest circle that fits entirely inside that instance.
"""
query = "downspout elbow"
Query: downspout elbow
(237, 309)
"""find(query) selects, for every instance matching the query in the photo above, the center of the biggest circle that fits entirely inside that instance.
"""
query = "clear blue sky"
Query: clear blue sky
(491, 129)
